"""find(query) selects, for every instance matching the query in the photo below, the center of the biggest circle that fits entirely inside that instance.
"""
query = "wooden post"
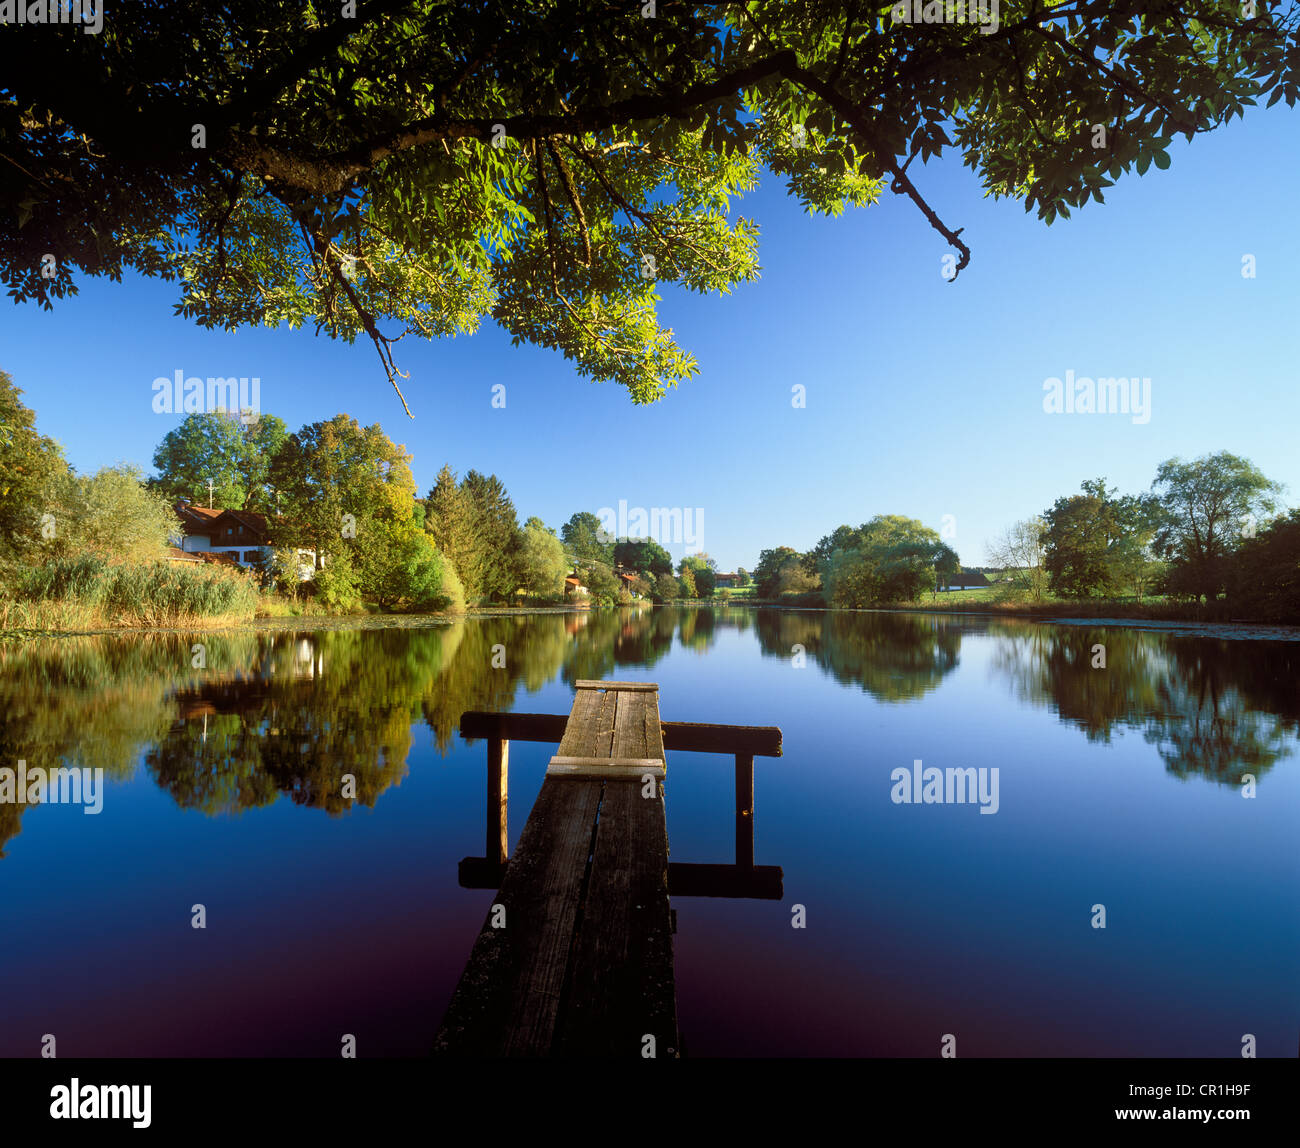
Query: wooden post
(745, 810)
(498, 782)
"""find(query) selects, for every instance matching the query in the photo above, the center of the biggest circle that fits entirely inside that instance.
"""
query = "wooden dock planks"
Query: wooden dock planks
(583, 966)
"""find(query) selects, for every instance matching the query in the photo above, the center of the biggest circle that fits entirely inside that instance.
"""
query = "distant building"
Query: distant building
(729, 580)
(962, 580)
(238, 537)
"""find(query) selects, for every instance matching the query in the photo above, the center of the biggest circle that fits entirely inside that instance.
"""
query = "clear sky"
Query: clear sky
(923, 397)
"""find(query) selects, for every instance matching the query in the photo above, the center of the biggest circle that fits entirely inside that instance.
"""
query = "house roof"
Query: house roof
(201, 511)
(217, 558)
(250, 518)
(209, 519)
(173, 554)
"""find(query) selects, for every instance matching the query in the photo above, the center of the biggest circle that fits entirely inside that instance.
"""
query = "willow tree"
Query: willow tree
(395, 167)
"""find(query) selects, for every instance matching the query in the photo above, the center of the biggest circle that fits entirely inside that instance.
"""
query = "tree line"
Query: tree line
(340, 490)
(1208, 531)
(889, 558)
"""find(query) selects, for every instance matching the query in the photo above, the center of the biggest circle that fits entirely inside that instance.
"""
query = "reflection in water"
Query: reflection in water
(894, 657)
(1214, 707)
(280, 712)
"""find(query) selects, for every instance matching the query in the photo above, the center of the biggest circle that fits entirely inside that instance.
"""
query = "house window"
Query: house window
(252, 555)
(241, 529)
(230, 530)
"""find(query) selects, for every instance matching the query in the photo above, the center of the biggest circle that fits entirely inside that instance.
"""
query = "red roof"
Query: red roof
(207, 520)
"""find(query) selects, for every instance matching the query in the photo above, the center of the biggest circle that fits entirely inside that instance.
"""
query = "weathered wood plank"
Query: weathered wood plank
(609, 761)
(498, 796)
(637, 768)
(609, 772)
(704, 737)
(620, 988)
(745, 810)
(604, 729)
(509, 993)
(583, 966)
(687, 737)
(630, 723)
(590, 685)
(578, 730)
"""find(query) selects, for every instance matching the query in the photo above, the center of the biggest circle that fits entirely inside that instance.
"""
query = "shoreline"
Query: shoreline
(1185, 627)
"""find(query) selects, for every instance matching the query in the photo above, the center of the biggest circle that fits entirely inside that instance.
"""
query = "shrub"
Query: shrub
(92, 591)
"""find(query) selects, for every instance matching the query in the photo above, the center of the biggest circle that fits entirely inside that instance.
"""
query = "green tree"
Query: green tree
(1020, 552)
(399, 567)
(603, 588)
(427, 164)
(703, 570)
(1080, 531)
(783, 570)
(686, 582)
(337, 584)
(32, 472)
(642, 556)
(1133, 565)
(113, 515)
(337, 479)
(219, 446)
(586, 539)
(1265, 573)
(1210, 505)
(666, 588)
(497, 530)
(742, 576)
(453, 523)
(542, 561)
(888, 559)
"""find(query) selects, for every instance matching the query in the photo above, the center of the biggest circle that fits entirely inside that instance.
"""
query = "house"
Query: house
(239, 537)
(573, 587)
(728, 580)
(629, 582)
(962, 580)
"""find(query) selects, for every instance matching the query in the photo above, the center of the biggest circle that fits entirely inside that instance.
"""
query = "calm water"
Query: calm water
(1117, 787)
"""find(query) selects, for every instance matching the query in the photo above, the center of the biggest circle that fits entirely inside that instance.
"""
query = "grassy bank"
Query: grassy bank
(996, 601)
(88, 593)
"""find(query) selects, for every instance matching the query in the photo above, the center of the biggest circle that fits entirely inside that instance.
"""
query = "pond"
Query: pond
(1105, 788)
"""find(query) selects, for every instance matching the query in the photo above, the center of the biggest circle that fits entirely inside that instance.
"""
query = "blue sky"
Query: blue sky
(923, 397)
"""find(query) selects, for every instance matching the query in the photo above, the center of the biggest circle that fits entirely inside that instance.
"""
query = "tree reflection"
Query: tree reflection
(1216, 708)
(292, 713)
(894, 657)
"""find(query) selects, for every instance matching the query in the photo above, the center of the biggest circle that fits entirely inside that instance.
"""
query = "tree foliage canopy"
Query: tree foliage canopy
(233, 453)
(552, 165)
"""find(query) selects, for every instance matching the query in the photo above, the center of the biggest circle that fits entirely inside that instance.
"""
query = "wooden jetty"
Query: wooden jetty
(575, 957)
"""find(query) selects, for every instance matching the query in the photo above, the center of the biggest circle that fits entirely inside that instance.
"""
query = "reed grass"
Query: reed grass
(88, 593)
